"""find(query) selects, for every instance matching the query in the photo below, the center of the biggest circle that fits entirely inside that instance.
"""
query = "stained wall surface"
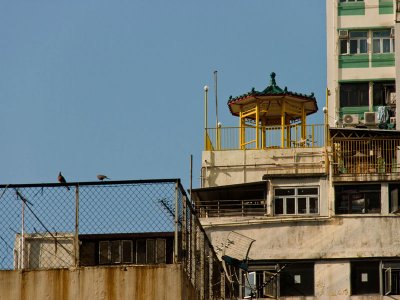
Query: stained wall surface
(122, 282)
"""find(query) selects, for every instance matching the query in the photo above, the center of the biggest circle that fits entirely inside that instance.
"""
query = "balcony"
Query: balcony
(360, 153)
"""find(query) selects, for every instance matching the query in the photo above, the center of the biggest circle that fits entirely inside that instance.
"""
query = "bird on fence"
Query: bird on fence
(102, 177)
(62, 180)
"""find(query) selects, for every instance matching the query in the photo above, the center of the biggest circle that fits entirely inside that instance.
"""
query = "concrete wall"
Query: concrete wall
(241, 166)
(332, 238)
(124, 282)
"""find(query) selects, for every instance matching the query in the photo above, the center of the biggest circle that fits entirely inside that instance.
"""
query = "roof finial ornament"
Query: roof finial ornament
(273, 82)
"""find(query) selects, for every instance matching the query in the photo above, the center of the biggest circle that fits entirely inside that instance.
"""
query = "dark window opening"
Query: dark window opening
(358, 199)
(365, 277)
(382, 91)
(394, 190)
(354, 94)
(149, 248)
(297, 280)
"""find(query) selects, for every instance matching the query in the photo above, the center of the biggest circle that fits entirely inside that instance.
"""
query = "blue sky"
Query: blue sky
(116, 87)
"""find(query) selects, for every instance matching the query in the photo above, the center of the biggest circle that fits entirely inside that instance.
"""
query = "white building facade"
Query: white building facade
(318, 211)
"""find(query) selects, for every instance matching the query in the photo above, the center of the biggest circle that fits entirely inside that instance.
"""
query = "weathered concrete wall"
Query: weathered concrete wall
(239, 166)
(108, 283)
(332, 238)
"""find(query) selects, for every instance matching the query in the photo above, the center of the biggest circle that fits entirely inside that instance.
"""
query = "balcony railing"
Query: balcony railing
(366, 156)
(230, 208)
(268, 137)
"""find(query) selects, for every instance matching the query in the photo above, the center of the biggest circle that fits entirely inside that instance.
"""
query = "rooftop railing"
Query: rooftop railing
(267, 137)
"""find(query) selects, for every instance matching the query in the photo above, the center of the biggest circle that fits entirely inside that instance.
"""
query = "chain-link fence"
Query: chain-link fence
(102, 223)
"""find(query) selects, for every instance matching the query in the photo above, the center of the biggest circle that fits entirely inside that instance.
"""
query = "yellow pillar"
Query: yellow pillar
(257, 125)
(283, 121)
(242, 135)
(303, 122)
(263, 133)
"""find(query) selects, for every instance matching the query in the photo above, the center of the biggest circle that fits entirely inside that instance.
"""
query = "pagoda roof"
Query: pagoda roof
(271, 93)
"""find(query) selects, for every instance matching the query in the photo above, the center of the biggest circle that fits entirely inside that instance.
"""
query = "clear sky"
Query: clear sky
(116, 87)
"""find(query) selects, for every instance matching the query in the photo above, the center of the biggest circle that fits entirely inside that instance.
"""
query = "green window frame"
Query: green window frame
(351, 8)
(386, 7)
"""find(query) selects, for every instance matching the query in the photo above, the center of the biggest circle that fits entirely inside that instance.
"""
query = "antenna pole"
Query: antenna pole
(216, 96)
(205, 117)
(216, 109)
(191, 176)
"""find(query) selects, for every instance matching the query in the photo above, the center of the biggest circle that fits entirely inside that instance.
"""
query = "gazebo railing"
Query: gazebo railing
(269, 137)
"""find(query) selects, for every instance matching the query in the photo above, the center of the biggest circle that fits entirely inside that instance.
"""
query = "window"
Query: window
(382, 41)
(358, 199)
(115, 252)
(272, 281)
(365, 277)
(296, 200)
(394, 190)
(151, 251)
(355, 44)
(354, 94)
(357, 93)
(351, 8)
(391, 278)
(136, 248)
(297, 280)
(382, 91)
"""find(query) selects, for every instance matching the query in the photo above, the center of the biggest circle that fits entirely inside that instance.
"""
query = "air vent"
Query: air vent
(370, 118)
(350, 119)
(343, 34)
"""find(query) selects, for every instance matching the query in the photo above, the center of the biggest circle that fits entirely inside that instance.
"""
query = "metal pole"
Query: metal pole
(216, 96)
(76, 241)
(176, 224)
(216, 109)
(202, 261)
(22, 248)
(205, 116)
(191, 176)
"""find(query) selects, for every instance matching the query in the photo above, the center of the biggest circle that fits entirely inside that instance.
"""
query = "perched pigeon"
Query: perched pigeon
(61, 179)
(102, 177)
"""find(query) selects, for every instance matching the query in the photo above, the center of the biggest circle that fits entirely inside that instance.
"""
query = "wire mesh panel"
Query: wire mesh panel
(127, 208)
(37, 227)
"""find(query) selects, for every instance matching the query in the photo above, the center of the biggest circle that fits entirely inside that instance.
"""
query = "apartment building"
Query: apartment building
(310, 211)
(361, 67)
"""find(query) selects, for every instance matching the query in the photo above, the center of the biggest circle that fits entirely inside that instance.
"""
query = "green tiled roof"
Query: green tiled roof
(272, 90)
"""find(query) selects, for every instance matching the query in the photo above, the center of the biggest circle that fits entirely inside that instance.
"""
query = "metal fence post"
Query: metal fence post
(176, 239)
(210, 272)
(184, 232)
(76, 240)
(202, 264)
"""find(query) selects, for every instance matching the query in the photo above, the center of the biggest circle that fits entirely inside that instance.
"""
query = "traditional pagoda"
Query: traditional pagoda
(272, 107)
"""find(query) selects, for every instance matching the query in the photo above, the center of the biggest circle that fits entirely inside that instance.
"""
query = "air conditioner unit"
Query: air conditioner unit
(370, 118)
(343, 34)
(393, 120)
(350, 119)
(392, 98)
(392, 32)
